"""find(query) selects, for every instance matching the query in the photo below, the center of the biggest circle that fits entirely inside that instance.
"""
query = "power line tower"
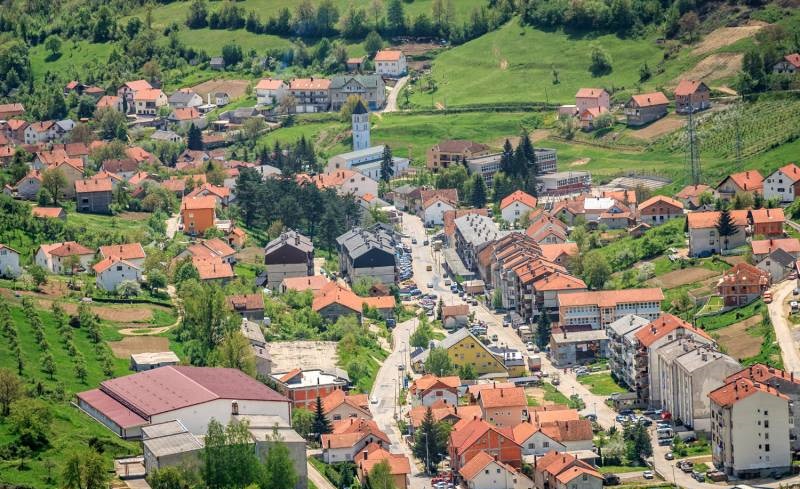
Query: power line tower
(693, 156)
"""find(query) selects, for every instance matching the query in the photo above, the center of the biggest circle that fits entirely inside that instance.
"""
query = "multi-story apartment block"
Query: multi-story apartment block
(600, 308)
(623, 346)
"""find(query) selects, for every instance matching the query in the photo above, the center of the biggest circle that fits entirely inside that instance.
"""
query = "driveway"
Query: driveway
(391, 101)
(172, 226)
(778, 314)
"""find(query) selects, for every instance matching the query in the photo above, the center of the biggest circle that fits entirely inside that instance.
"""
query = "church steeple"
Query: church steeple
(360, 121)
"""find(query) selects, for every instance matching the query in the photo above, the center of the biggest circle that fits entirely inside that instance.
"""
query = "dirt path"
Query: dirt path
(659, 128)
(778, 313)
(726, 36)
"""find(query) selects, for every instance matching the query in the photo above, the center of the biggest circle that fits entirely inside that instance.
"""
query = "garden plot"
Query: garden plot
(138, 344)
(737, 341)
(677, 278)
(634, 182)
(234, 88)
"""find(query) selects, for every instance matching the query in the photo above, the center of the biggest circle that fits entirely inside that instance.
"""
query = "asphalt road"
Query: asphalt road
(778, 313)
(391, 101)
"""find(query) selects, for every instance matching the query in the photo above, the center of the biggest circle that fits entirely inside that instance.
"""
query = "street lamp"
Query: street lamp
(427, 455)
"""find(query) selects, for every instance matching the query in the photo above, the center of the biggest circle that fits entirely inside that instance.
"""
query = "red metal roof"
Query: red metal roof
(111, 408)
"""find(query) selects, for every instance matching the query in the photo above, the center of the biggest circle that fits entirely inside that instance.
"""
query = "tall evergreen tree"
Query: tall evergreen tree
(725, 228)
(527, 148)
(478, 194)
(387, 168)
(507, 158)
(321, 423)
(194, 138)
(543, 331)
(395, 17)
(430, 442)
(519, 164)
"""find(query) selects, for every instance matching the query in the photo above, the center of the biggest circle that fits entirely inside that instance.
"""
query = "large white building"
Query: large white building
(360, 123)
(55, 258)
(390, 63)
(600, 308)
(623, 346)
(704, 238)
(366, 161)
(192, 395)
(112, 271)
(750, 426)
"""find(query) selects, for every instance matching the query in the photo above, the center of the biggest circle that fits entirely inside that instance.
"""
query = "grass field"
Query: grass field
(601, 384)
(72, 430)
(74, 56)
(212, 40)
(515, 64)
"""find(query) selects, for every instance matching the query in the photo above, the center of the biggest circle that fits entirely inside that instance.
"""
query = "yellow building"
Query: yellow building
(465, 349)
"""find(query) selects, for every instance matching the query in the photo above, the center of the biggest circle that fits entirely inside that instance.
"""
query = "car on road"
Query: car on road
(430, 285)
(648, 474)
(425, 243)
(663, 442)
(669, 456)
(698, 476)
(591, 417)
(686, 465)
(796, 291)
(529, 346)
(494, 337)
(413, 240)
(621, 418)
(610, 479)
(373, 400)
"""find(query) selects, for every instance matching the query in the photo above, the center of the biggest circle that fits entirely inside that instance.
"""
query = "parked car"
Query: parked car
(494, 337)
(698, 476)
(648, 474)
(686, 465)
(610, 479)
(662, 442)
(413, 241)
(767, 297)
(669, 456)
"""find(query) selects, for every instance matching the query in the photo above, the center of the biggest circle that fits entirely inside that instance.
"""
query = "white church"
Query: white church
(364, 159)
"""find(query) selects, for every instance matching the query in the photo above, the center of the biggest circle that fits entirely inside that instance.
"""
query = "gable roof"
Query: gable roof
(270, 84)
(429, 381)
(93, 185)
(467, 432)
(334, 293)
(750, 180)
(661, 199)
(741, 388)
(67, 248)
(110, 261)
(571, 473)
(793, 59)
(120, 165)
(313, 283)
(502, 397)
(664, 325)
(688, 87)
(128, 251)
(185, 114)
(791, 171)
(744, 273)
(764, 374)
(47, 212)
(310, 84)
(590, 93)
(766, 216)
(247, 302)
(148, 94)
(388, 55)
(136, 85)
(198, 203)
(519, 196)
(709, 219)
(212, 268)
(650, 99)
(479, 462)
(766, 246)
(339, 397)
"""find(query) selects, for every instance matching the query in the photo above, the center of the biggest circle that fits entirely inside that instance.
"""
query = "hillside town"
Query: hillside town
(199, 292)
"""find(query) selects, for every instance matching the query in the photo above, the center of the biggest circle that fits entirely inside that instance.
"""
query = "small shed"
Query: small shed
(217, 63)
(148, 361)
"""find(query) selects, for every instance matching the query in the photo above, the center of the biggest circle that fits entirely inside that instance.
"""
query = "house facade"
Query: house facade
(516, 205)
(94, 195)
(110, 272)
(742, 284)
(390, 63)
(659, 210)
(289, 255)
(430, 389)
(452, 152)
(149, 101)
(270, 91)
(704, 238)
(55, 257)
(783, 184)
(311, 94)
(9, 262)
(592, 98)
(369, 88)
(645, 108)
(691, 96)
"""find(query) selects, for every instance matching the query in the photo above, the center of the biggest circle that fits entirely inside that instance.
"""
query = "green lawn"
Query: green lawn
(552, 394)
(74, 55)
(515, 64)
(212, 40)
(710, 323)
(621, 469)
(601, 384)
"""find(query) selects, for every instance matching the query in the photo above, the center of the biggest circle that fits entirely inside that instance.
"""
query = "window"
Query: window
(766, 447)
(766, 423)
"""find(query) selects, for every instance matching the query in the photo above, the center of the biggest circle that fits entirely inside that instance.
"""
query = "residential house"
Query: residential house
(516, 205)
(9, 262)
(48, 213)
(484, 471)
(659, 210)
(40, 132)
(339, 405)
(390, 63)
(645, 108)
(15, 128)
(349, 437)
(127, 91)
(310, 94)
(577, 346)
(124, 168)
(790, 64)
(778, 264)
(130, 252)
(764, 247)
(221, 99)
(783, 184)
(749, 181)
(7, 111)
(149, 101)
(504, 407)
(28, 188)
(453, 151)
(56, 257)
(212, 269)
(367, 253)
(93, 195)
(558, 470)
(592, 98)
(690, 195)
(140, 156)
(112, 271)
(248, 306)
(217, 63)
(289, 255)
(689, 370)
(113, 102)
(270, 91)
(666, 329)
(314, 283)
(742, 284)
(258, 345)
(355, 64)
(210, 249)
(465, 349)
(786, 383)
(334, 301)
(63, 128)
(430, 389)
(600, 308)
(222, 195)
(767, 222)
(559, 253)
(588, 116)
(346, 182)
(372, 455)
(691, 96)
(188, 116)
(472, 436)
(127, 404)
(184, 98)
(754, 421)
(533, 440)
(704, 239)
(433, 209)
(197, 214)
(369, 88)
(455, 316)
(166, 136)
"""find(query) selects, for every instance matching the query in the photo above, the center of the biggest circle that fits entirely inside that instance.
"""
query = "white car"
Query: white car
(373, 400)
(648, 474)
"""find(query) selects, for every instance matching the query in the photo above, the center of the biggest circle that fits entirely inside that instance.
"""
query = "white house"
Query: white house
(367, 162)
(40, 132)
(130, 252)
(112, 271)
(149, 101)
(516, 205)
(184, 98)
(704, 237)
(429, 389)
(9, 262)
(783, 184)
(53, 257)
(270, 91)
(534, 441)
(390, 63)
(484, 471)
(349, 437)
(347, 182)
(433, 210)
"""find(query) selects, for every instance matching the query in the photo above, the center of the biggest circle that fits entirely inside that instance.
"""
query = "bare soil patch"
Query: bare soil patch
(659, 128)
(714, 67)
(676, 278)
(734, 260)
(287, 355)
(138, 344)
(234, 88)
(736, 340)
(418, 48)
(580, 162)
(122, 313)
(725, 36)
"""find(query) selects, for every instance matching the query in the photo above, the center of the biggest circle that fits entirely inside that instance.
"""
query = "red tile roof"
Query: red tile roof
(197, 203)
(212, 268)
(67, 248)
(551, 251)
(762, 373)
(709, 219)
(650, 99)
(503, 397)
(732, 392)
(336, 294)
(791, 171)
(108, 101)
(138, 85)
(750, 180)
(767, 246)
(270, 84)
(745, 273)
(661, 199)
(590, 93)
(480, 461)
(148, 94)
(430, 381)
(339, 397)
(664, 325)
(314, 283)
(688, 87)
(388, 55)
(568, 430)
(108, 262)
(519, 196)
(247, 302)
(766, 216)
(185, 114)
(47, 212)
(310, 84)
(119, 166)
(793, 59)
(128, 251)
(93, 185)
(610, 298)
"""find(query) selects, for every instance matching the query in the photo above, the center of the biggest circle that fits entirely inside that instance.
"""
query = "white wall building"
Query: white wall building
(9, 262)
(55, 257)
(366, 161)
(783, 184)
(434, 209)
(390, 63)
(270, 91)
(110, 272)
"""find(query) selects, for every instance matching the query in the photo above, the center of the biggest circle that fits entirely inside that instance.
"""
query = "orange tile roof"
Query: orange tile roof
(475, 389)
(610, 298)
(480, 461)
(766, 216)
(664, 325)
(388, 55)
(745, 273)
(691, 191)
(212, 268)
(568, 430)
(108, 101)
(429, 381)
(791, 171)
(650, 99)
(709, 219)
(571, 473)
(138, 85)
(519, 196)
(355, 425)
(551, 251)
(108, 262)
(148, 94)
(661, 199)
(766, 246)
(139, 154)
(590, 93)
(310, 84)
(129, 251)
(559, 281)
(736, 390)
(314, 283)
(67, 248)
(185, 114)
(47, 212)
(269, 84)
(398, 464)
(247, 302)
(466, 432)
(197, 203)
(688, 87)
(207, 188)
(93, 185)
(551, 416)
(336, 294)
(341, 440)
(762, 373)
(219, 247)
(505, 397)
(339, 397)
(750, 180)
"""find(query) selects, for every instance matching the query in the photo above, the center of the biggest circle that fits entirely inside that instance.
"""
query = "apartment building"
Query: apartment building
(622, 347)
(600, 308)
(472, 234)
(289, 255)
(367, 253)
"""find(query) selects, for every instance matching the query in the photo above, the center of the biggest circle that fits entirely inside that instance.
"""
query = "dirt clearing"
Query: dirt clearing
(234, 88)
(138, 344)
(287, 355)
(737, 341)
(580, 162)
(715, 67)
(676, 278)
(659, 128)
(726, 36)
